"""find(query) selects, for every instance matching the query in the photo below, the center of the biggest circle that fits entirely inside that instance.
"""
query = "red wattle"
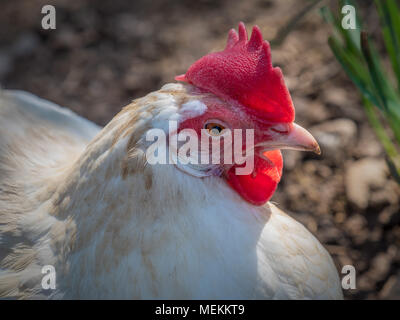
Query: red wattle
(258, 188)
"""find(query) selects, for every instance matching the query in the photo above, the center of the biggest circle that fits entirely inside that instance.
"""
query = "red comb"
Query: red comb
(243, 71)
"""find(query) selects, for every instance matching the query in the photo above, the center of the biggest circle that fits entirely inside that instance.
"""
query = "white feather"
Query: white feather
(116, 227)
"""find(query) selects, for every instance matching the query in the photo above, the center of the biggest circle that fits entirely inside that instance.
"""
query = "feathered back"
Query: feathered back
(38, 137)
(243, 72)
(38, 141)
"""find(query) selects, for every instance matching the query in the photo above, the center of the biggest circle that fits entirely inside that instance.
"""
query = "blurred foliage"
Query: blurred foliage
(360, 59)
(284, 32)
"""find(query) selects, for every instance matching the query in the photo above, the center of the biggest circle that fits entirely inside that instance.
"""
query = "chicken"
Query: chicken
(88, 201)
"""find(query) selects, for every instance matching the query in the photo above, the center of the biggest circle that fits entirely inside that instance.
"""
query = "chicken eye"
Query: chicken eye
(214, 129)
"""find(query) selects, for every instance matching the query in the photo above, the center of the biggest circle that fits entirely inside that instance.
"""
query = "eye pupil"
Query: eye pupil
(214, 129)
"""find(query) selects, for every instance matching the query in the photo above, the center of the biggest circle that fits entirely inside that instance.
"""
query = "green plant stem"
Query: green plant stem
(389, 147)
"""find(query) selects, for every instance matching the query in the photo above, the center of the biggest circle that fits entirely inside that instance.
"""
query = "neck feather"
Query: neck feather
(124, 212)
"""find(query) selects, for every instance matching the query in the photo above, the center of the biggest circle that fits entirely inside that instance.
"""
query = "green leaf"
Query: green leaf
(392, 156)
(375, 123)
(390, 19)
(362, 63)
(394, 169)
(355, 69)
(386, 93)
(351, 36)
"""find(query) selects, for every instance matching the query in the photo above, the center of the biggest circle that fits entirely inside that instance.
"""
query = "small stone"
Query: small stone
(391, 288)
(340, 217)
(336, 138)
(25, 44)
(291, 159)
(361, 176)
(365, 283)
(368, 144)
(380, 266)
(311, 111)
(355, 224)
(340, 102)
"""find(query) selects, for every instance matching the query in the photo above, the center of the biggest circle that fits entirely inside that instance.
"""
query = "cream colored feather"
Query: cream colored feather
(85, 201)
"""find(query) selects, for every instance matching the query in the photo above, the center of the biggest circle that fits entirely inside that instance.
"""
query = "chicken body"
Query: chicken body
(84, 200)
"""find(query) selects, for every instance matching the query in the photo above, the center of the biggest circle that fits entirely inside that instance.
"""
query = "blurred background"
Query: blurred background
(106, 53)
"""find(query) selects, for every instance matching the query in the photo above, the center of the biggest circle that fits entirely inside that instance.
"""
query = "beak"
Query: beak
(293, 137)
